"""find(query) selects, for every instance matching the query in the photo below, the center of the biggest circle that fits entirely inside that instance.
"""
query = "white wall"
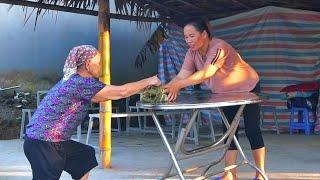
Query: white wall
(45, 48)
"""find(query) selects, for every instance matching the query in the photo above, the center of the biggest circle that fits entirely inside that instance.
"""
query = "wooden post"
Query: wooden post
(105, 107)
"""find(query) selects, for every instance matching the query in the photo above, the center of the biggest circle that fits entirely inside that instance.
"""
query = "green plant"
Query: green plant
(153, 94)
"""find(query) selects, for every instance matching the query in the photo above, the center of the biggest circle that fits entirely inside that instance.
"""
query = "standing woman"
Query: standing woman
(220, 67)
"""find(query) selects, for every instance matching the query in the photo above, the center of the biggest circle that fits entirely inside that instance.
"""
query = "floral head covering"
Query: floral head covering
(77, 56)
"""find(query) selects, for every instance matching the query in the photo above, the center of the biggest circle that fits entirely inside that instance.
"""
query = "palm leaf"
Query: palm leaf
(127, 7)
(80, 4)
(151, 46)
(136, 8)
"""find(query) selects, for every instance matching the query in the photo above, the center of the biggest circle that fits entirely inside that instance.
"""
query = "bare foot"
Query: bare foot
(228, 176)
(259, 177)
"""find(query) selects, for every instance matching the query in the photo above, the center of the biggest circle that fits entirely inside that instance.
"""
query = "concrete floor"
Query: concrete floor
(137, 156)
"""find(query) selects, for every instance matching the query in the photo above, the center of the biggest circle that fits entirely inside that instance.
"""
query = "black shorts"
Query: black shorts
(49, 159)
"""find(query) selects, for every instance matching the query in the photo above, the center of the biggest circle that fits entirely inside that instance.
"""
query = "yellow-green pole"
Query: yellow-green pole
(105, 107)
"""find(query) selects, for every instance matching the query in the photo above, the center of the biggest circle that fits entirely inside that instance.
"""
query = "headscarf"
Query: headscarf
(77, 56)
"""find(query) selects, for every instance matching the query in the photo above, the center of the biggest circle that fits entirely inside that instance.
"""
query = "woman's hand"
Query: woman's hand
(154, 81)
(172, 90)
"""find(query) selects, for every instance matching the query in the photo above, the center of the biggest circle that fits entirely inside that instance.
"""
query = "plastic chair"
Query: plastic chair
(303, 122)
(40, 95)
(128, 120)
(28, 112)
(25, 113)
(273, 110)
(95, 117)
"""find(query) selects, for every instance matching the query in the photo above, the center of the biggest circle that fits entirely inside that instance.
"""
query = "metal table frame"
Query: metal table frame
(195, 102)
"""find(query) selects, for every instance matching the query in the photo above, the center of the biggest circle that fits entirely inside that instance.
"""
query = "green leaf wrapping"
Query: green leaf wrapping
(153, 94)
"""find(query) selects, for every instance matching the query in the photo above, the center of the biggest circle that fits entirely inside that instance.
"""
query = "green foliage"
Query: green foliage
(11, 104)
(28, 81)
(154, 94)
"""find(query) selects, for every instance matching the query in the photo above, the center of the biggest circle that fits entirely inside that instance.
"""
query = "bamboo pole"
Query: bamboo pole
(105, 107)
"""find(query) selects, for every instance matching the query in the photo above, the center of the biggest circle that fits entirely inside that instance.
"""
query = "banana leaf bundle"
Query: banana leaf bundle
(153, 94)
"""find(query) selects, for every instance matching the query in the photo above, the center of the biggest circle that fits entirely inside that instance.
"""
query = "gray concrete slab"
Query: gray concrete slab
(137, 156)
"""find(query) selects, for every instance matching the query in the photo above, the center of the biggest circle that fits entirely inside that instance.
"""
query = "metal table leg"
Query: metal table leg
(181, 137)
(185, 154)
(174, 159)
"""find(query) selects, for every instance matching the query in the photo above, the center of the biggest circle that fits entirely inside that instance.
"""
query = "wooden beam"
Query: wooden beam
(82, 11)
(241, 4)
(191, 5)
(218, 15)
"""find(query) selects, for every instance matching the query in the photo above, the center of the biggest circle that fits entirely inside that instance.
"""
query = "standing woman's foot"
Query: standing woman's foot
(258, 176)
(226, 176)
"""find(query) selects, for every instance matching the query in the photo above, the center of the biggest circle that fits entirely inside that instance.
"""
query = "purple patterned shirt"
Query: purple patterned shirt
(63, 109)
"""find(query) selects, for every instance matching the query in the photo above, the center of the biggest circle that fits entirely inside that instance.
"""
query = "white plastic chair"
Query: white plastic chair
(97, 117)
(25, 113)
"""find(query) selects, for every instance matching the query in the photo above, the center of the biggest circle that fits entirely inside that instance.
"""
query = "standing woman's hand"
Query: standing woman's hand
(172, 90)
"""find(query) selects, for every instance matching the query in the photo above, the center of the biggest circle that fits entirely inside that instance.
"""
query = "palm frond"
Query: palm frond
(151, 46)
(136, 8)
(126, 7)
(143, 9)
(79, 4)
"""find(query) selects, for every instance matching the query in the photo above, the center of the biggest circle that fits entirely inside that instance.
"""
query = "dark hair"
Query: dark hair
(199, 24)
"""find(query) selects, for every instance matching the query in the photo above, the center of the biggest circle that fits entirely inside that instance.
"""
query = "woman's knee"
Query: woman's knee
(255, 138)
